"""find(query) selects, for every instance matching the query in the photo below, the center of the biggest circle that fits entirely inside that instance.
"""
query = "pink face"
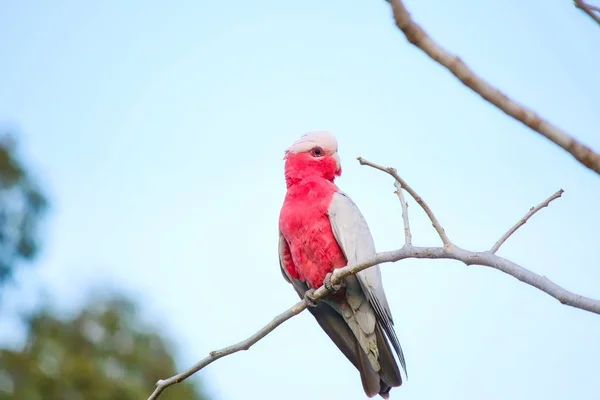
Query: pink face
(314, 154)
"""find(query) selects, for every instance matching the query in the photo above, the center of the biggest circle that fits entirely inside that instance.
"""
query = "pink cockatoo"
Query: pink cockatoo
(320, 229)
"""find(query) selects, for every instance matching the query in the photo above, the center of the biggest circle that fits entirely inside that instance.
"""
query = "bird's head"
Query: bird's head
(313, 155)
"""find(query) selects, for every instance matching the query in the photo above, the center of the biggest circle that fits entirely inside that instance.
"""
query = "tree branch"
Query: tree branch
(213, 356)
(523, 220)
(449, 251)
(392, 171)
(588, 9)
(418, 37)
(404, 205)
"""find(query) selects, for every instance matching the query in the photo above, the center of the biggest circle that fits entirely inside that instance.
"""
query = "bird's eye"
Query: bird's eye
(317, 152)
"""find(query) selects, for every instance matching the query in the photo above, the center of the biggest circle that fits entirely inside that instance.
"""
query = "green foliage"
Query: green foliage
(22, 207)
(104, 352)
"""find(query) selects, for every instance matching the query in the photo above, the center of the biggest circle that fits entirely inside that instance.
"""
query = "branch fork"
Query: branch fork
(592, 11)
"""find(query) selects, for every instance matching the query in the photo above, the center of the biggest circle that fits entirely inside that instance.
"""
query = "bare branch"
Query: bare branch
(392, 171)
(488, 258)
(449, 251)
(404, 205)
(588, 9)
(454, 252)
(213, 356)
(418, 37)
(523, 220)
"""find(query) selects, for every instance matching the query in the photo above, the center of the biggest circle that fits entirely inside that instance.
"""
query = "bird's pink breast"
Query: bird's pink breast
(306, 227)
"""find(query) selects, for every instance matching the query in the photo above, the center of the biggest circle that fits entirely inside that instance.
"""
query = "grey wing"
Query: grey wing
(354, 237)
(335, 327)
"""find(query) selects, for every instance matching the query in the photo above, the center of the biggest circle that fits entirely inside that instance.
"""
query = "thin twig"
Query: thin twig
(588, 9)
(404, 205)
(213, 356)
(450, 251)
(392, 171)
(523, 220)
(418, 37)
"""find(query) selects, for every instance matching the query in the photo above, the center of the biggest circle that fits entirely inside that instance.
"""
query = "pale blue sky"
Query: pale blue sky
(159, 131)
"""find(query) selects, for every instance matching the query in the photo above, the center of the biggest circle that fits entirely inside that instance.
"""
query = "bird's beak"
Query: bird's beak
(338, 170)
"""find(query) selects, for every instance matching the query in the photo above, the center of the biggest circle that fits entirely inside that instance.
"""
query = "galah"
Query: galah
(321, 229)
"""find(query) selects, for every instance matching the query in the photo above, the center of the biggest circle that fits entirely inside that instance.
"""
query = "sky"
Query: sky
(158, 130)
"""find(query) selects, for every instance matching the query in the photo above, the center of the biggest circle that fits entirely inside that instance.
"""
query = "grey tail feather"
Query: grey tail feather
(368, 376)
(387, 325)
(388, 377)
(337, 329)
(389, 373)
(385, 393)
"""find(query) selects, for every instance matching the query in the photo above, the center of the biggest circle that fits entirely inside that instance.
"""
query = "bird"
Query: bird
(322, 229)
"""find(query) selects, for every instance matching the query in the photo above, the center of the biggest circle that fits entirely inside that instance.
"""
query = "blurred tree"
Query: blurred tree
(22, 206)
(103, 352)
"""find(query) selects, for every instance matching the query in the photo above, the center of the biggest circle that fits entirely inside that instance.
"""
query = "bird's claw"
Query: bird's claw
(309, 297)
(330, 286)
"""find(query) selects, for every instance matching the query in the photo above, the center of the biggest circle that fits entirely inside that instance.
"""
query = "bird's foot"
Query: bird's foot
(330, 286)
(309, 297)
